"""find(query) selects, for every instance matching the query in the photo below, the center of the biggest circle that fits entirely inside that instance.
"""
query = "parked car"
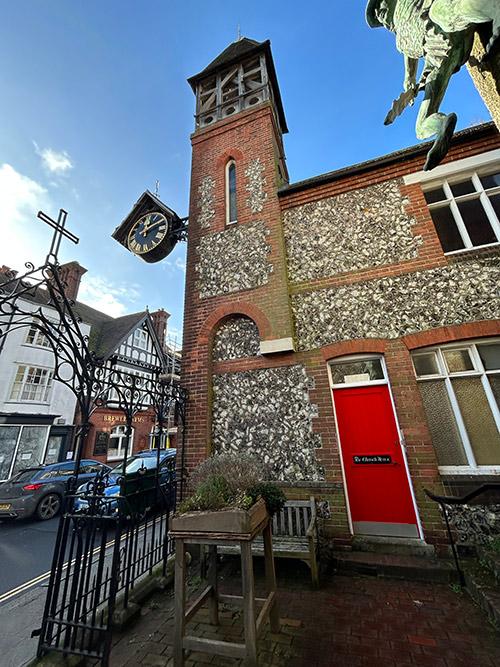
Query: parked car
(39, 491)
(145, 460)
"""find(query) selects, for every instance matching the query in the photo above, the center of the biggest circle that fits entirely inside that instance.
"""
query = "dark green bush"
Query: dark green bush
(272, 495)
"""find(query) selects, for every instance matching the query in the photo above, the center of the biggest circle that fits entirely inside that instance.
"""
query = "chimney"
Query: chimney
(160, 318)
(71, 274)
(8, 271)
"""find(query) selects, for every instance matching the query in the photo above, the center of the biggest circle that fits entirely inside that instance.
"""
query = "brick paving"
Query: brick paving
(350, 621)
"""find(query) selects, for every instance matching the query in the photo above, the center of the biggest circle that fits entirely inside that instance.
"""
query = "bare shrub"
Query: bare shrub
(240, 471)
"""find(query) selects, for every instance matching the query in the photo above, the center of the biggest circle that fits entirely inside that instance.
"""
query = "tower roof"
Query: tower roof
(243, 48)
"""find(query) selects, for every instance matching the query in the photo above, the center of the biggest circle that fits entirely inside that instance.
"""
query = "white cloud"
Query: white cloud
(180, 264)
(55, 162)
(24, 238)
(107, 297)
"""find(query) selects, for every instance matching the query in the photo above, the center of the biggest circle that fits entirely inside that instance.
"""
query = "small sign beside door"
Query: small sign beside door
(372, 458)
(101, 443)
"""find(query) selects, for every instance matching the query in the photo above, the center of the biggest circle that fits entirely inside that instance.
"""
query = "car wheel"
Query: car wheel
(48, 507)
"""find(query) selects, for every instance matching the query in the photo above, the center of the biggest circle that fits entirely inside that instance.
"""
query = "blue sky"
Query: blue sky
(95, 107)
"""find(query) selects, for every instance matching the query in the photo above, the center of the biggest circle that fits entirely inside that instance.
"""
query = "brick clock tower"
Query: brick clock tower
(236, 289)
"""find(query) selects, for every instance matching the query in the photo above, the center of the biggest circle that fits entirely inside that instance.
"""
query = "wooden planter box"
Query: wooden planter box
(235, 521)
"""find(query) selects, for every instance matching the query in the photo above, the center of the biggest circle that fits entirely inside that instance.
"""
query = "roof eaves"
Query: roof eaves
(383, 160)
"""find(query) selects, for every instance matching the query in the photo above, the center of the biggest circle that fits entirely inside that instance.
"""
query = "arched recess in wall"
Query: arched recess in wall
(211, 324)
(236, 337)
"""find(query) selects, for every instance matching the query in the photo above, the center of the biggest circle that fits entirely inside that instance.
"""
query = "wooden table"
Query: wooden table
(253, 623)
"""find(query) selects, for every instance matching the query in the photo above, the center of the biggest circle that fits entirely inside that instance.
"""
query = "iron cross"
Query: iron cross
(59, 232)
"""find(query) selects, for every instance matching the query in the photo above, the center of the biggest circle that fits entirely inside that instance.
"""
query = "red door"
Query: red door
(377, 483)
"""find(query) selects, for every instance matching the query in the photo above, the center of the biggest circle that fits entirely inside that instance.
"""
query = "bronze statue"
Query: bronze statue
(442, 33)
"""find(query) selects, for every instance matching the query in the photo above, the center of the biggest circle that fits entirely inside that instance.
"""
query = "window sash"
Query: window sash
(140, 339)
(231, 204)
(36, 338)
(32, 384)
(448, 377)
(452, 202)
(117, 440)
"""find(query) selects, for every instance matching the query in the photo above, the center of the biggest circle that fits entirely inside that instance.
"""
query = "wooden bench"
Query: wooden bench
(295, 535)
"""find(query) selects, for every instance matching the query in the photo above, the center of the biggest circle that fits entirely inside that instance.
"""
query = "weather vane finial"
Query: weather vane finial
(239, 32)
(157, 188)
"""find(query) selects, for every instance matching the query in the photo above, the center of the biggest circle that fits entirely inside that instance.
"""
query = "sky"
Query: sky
(95, 108)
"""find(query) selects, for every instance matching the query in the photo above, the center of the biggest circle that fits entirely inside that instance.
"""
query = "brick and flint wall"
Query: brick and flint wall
(343, 266)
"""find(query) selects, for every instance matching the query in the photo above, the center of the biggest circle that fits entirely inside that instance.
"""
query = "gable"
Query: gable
(141, 347)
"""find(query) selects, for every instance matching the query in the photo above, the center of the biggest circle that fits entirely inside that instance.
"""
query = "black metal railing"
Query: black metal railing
(470, 522)
(105, 545)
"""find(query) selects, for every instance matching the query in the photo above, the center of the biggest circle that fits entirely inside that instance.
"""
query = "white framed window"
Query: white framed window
(465, 209)
(36, 337)
(460, 388)
(118, 443)
(357, 370)
(32, 384)
(141, 339)
(231, 209)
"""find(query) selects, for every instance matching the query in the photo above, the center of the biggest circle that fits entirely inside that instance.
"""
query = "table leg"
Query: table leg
(248, 604)
(180, 602)
(212, 580)
(274, 617)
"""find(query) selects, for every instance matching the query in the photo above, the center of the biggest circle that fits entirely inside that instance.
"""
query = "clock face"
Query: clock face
(147, 233)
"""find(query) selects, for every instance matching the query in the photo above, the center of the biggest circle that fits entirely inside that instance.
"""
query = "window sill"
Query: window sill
(466, 470)
(18, 402)
(37, 347)
(466, 251)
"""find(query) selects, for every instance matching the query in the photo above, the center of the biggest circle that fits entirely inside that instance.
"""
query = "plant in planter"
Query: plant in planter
(231, 487)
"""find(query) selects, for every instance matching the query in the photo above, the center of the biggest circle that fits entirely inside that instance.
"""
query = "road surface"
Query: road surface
(26, 548)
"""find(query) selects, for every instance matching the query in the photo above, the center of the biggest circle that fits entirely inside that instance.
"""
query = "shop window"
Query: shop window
(460, 387)
(21, 447)
(8, 444)
(32, 384)
(231, 212)
(118, 442)
(466, 212)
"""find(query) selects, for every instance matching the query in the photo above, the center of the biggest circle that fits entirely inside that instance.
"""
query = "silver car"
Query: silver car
(39, 491)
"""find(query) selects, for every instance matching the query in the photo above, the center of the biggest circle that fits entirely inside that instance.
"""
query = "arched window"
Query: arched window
(231, 214)
(117, 442)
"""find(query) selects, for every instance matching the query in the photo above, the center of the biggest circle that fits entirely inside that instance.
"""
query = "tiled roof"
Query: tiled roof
(112, 333)
(232, 53)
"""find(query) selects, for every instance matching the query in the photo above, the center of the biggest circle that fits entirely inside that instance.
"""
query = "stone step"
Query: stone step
(491, 560)
(393, 566)
(484, 590)
(395, 546)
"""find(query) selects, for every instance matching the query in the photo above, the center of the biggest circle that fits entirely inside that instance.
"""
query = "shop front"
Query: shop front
(27, 441)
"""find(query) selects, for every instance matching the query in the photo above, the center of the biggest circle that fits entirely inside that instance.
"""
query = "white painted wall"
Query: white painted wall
(15, 352)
